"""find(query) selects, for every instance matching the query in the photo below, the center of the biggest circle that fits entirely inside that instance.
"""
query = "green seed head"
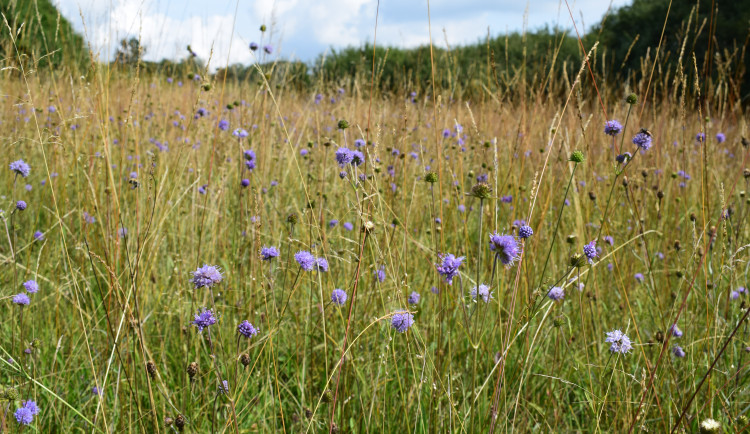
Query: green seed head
(431, 177)
(343, 124)
(631, 99)
(577, 157)
(481, 190)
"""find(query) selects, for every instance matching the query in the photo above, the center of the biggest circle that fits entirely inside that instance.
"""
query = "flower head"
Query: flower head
(380, 273)
(268, 253)
(676, 332)
(505, 247)
(525, 231)
(321, 264)
(20, 168)
(556, 293)
(344, 156)
(246, 329)
(206, 276)
(338, 297)
(31, 286)
(401, 321)
(23, 416)
(612, 128)
(21, 205)
(204, 319)
(642, 140)
(305, 260)
(481, 291)
(21, 299)
(38, 235)
(413, 298)
(620, 342)
(448, 267)
(678, 351)
(639, 277)
(590, 251)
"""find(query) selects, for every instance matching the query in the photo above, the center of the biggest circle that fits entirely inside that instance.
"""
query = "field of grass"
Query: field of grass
(150, 199)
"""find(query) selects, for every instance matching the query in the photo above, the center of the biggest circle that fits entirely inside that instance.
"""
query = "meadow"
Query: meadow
(188, 254)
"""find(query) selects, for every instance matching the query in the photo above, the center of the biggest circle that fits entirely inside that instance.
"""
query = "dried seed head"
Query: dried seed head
(481, 190)
(179, 422)
(151, 369)
(659, 336)
(245, 359)
(192, 370)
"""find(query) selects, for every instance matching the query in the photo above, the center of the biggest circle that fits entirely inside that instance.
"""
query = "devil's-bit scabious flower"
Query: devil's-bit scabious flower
(20, 168)
(23, 416)
(482, 292)
(700, 137)
(38, 235)
(206, 276)
(525, 231)
(246, 329)
(556, 293)
(622, 158)
(620, 342)
(268, 49)
(204, 319)
(380, 273)
(612, 128)
(250, 160)
(305, 260)
(678, 351)
(332, 223)
(505, 247)
(590, 251)
(401, 321)
(638, 277)
(448, 266)
(21, 205)
(348, 226)
(642, 140)
(268, 253)
(344, 156)
(31, 286)
(253, 46)
(321, 264)
(357, 158)
(720, 137)
(413, 298)
(240, 133)
(338, 297)
(21, 299)
(223, 125)
(245, 182)
(676, 332)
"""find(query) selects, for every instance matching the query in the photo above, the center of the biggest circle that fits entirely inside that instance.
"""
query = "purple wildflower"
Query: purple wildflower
(525, 231)
(268, 253)
(21, 299)
(505, 247)
(413, 298)
(204, 319)
(321, 264)
(448, 267)
(305, 260)
(481, 291)
(338, 297)
(678, 351)
(612, 128)
(206, 276)
(31, 286)
(620, 342)
(556, 293)
(590, 251)
(20, 167)
(380, 273)
(246, 329)
(642, 140)
(401, 321)
(676, 332)
(344, 156)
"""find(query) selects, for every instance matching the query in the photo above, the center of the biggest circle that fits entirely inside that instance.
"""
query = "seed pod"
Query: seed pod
(151, 369)
(192, 370)
(245, 359)
(659, 336)
(660, 194)
(179, 422)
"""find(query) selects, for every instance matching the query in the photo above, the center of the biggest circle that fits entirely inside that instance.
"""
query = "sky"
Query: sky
(305, 29)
